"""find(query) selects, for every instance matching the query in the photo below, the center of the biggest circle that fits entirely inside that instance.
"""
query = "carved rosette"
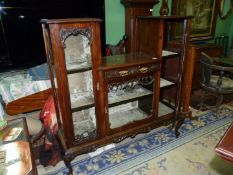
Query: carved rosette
(65, 33)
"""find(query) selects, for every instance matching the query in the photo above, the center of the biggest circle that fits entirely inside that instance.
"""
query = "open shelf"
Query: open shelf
(79, 69)
(124, 96)
(164, 110)
(166, 53)
(165, 83)
(125, 114)
(84, 102)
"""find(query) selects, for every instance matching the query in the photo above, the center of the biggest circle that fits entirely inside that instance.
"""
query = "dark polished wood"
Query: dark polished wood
(56, 32)
(134, 8)
(150, 32)
(225, 146)
(107, 71)
(134, 66)
(109, 74)
(56, 61)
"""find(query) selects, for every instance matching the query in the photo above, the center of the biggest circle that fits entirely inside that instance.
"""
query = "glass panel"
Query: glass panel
(77, 49)
(77, 52)
(84, 124)
(129, 102)
(80, 87)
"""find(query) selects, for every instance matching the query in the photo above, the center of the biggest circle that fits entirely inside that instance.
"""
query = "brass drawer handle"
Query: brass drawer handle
(123, 73)
(143, 70)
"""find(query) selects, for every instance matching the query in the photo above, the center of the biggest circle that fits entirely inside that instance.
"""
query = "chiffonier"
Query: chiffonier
(100, 100)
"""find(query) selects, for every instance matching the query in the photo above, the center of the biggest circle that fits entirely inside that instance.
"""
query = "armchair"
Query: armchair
(215, 80)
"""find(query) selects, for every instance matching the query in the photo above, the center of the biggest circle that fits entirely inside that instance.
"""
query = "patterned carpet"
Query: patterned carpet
(159, 152)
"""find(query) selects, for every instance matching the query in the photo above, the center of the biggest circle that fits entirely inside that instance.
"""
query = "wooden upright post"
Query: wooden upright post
(134, 8)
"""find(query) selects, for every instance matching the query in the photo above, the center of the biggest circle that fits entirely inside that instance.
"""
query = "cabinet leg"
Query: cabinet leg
(181, 117)
(178, 125)
(67, 161)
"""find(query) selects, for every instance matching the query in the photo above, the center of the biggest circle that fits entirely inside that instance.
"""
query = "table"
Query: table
(19, 159)
(225, 146)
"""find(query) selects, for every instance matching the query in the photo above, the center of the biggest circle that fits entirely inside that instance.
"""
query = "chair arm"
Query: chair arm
(220, 68)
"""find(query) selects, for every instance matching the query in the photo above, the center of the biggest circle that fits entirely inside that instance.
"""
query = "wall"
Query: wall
(231, 32)
(223, 25)
(115, 21)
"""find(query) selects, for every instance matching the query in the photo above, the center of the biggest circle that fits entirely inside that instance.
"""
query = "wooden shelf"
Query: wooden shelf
(120, 118)
(166, 53)
(84, 103)
(77, 70)
(164, 110)
(165, 83)
(124, 96)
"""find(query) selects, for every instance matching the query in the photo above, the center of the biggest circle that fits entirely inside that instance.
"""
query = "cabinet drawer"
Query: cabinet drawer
(128, 72)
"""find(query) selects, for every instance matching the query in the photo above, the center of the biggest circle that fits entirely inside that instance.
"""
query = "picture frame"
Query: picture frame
(204, 19)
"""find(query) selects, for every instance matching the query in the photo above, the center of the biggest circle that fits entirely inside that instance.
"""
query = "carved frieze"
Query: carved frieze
(65, 33)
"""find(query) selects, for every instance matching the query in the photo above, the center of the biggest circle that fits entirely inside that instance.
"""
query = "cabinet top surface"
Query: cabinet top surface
(171, 18)
(135, 2)
(68, 20)
(127, 60)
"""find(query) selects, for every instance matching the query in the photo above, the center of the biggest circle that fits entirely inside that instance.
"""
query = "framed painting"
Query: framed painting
(204, 14)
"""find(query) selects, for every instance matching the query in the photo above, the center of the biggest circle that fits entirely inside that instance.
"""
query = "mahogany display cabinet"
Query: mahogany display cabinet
(73, 56)
(100, 100)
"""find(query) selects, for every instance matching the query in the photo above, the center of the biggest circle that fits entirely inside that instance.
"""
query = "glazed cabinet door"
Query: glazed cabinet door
(73, 52)
(132, 91)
